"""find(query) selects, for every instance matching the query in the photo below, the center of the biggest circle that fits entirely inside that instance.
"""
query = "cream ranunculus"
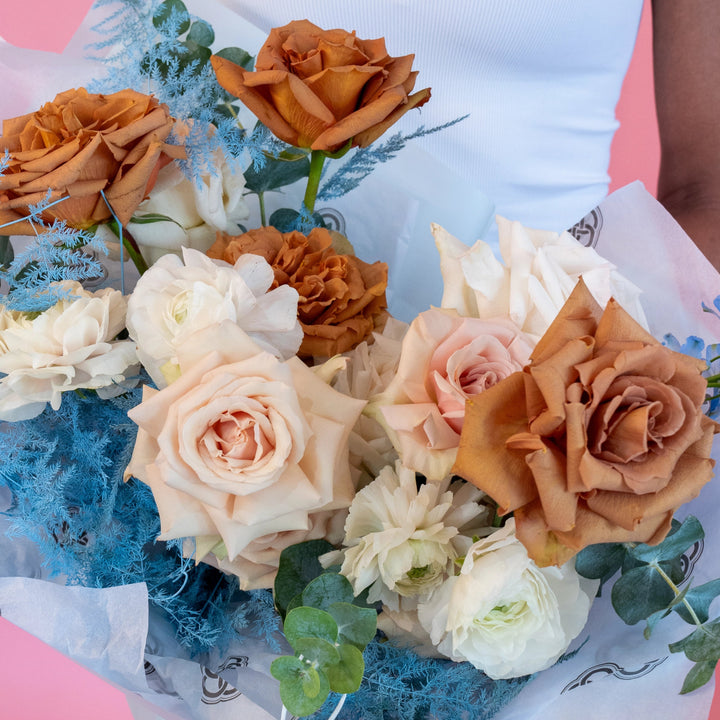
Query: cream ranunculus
(445, 360)
(540, 271)
(197, 208)
(69, 346)
(175, 298)
(242, 446)
(401, 541)
(502, 613)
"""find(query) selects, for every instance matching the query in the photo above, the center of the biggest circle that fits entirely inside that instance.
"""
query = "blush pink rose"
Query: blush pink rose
(445, 359)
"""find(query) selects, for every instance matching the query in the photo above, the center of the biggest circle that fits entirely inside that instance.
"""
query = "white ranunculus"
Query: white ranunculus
(197, 208)
(401, 541)
(502, 613)
(67, 347)
(540, 271)
(175, 298)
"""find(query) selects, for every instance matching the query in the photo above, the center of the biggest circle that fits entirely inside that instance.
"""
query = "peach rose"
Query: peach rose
(445, 359)
(340, 295)
(598, 440)
(318, 89)
(242, 447)
(78, 145)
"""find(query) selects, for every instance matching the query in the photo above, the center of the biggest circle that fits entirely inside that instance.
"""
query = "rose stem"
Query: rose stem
(133, 251)
(261, 200)
(317, 159)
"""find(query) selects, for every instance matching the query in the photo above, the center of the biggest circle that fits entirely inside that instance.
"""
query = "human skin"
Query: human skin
(687, 96)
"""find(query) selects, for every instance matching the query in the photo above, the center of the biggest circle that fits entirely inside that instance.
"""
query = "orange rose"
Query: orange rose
(78, 145)
(340, 295)
(598, 440)
(317, 88)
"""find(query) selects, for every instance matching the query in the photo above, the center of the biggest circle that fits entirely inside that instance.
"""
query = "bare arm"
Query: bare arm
(686, 47)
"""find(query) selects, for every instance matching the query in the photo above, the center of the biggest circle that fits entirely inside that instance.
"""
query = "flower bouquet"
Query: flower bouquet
(319, 498)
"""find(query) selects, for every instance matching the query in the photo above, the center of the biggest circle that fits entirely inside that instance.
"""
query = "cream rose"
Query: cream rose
(540, 271)
(70, 345)
(197, 208)
(502, 613)
(401, 541)
(175, 298)
(445, 359)
(242, 445)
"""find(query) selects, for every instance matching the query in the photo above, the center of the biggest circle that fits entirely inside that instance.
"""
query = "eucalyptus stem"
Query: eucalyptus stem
(261, 201)
(676, 590)
(317, 159)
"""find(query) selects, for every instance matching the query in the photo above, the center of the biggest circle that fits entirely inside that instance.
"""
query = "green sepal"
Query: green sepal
(346, 675)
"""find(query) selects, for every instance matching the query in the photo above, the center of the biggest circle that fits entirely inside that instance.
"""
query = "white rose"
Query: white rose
(401, 541)
(541, 269)
(197, 208)
(173, 300)
(67, 347)
(502, 613)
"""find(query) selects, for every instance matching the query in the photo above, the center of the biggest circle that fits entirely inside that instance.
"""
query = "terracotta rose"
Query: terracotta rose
(78, 145)
(598, 440)
(317, 88)
(340, 295)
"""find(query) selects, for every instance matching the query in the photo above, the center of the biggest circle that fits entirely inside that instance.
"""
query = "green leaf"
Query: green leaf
(699, 674)
(356, 625)
(653, 620)
(303, 689)
(346, 675)
(285, 219)
(306, 622)
(699, 598)
(195, 54)
(297, 567)
(600, 562)
(202, 33)
(150, 218)
(701, 644)
(7, 254)
(639, 593)
(317, 651)
(162, 14)
(327, 589)
(277, 173)
(674, 545)
(237, 55)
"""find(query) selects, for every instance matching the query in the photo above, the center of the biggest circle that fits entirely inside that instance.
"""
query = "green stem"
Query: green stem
(261, 200)
(134, 252)
(317, 159)
(675, 589)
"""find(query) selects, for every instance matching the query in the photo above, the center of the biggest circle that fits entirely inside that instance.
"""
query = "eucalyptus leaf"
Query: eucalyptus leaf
(237, 55)
(600, 562)
(701, 644)
(674, 545)
(286, 220)
(167, 8)
(699, 599)
(346, 675)
(277, 173)
(699, 674)
(639, 593)
(307, 622)
(356, 625)
(287, 667)
(202, 33)
(327, 589)
(304, 689)
(298, 565)
(317, 650)
(7, 254)
(653, 620)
